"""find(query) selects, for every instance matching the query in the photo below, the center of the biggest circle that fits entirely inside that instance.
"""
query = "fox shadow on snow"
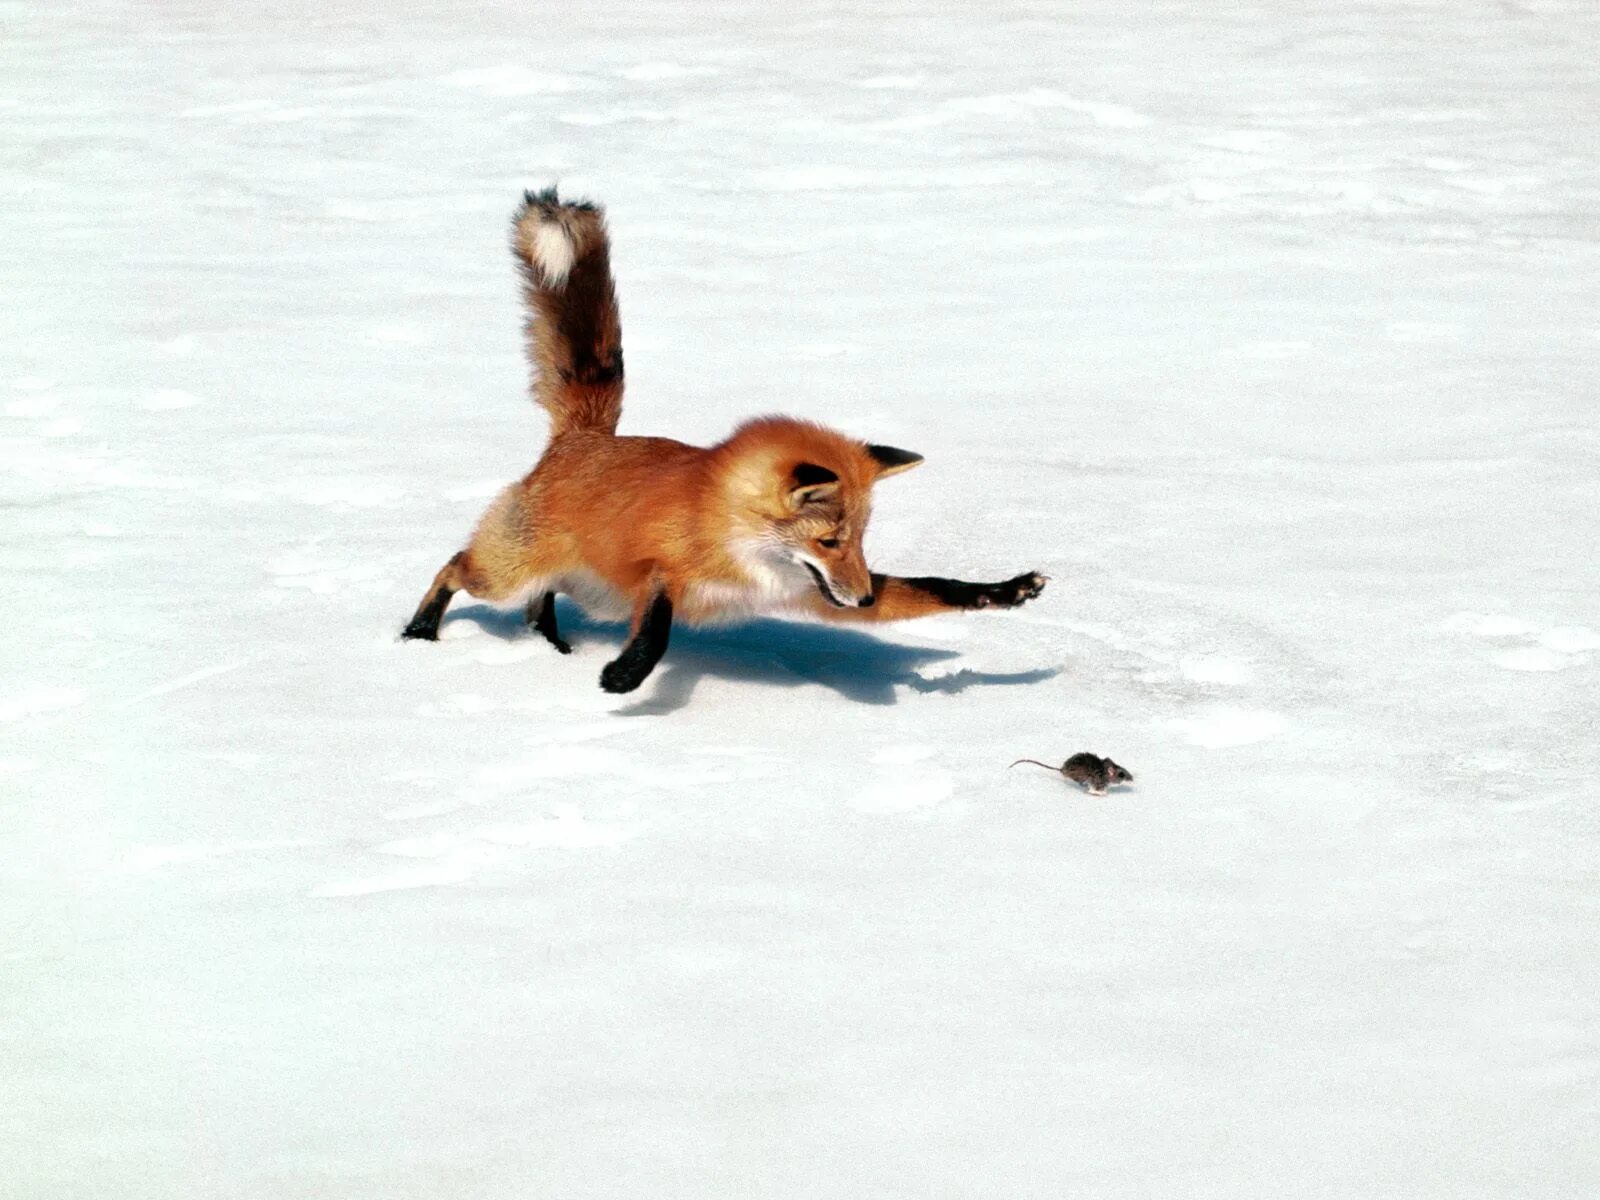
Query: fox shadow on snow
(858, 666)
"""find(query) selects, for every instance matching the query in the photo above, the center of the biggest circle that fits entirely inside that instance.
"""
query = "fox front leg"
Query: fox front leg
(900, 599)
(644, 649)
(956, 593)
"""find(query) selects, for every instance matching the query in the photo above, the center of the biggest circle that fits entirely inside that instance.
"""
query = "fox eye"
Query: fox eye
(828, 543)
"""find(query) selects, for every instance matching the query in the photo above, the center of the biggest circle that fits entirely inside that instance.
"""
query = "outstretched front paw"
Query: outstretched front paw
(1010, 593)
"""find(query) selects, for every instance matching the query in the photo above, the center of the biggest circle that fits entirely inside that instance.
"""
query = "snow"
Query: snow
(1268, 331)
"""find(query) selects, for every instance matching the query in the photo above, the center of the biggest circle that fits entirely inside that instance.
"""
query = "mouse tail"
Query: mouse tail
(1036, 763)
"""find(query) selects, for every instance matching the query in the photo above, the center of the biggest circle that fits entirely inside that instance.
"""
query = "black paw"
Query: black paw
(621, 677)
(421, 632)
(1011, 593)
(563, 646)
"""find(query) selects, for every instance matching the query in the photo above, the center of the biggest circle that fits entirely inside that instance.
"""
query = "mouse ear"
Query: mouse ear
(892, 460)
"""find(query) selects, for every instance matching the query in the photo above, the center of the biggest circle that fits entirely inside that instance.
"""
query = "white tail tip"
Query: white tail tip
(553, 252)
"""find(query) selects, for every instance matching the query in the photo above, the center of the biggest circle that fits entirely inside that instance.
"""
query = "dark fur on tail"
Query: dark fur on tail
(573, 327)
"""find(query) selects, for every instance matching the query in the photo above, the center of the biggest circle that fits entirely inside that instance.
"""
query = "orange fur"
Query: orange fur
(642, 514)
(770, 519)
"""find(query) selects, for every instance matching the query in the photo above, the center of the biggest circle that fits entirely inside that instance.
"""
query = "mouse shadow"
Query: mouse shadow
(858, 666)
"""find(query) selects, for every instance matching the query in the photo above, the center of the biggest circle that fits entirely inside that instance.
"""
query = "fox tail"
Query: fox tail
(573, 328)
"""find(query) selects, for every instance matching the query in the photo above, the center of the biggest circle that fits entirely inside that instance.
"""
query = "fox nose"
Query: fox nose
(867, 601)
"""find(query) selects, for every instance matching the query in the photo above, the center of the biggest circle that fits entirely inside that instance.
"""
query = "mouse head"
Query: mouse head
(1117, 774)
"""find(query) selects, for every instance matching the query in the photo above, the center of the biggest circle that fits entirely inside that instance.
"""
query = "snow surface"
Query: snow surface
(1268, 330)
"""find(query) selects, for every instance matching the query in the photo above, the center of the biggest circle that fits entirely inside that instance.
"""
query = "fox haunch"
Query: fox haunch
(769, 520)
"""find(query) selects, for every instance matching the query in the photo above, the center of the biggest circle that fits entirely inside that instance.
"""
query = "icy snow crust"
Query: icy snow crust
(1268, 331)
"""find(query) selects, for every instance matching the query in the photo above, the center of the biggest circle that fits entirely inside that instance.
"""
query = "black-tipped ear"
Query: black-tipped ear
(891, 461)
(809, 483)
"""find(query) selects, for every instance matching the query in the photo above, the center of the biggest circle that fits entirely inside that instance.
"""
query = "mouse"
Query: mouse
(1090, 770)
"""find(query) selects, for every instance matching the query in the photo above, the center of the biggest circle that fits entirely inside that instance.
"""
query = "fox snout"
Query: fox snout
(848, 580)
(850, 576)
(836, 592)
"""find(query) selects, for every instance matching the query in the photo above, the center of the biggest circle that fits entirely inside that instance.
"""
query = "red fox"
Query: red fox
(653, 530)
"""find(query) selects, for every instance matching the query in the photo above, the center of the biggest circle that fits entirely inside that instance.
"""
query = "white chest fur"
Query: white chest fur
(772, 581)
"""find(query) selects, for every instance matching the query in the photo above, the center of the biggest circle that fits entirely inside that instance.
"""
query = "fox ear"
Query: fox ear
(892, 461)
(809, 483)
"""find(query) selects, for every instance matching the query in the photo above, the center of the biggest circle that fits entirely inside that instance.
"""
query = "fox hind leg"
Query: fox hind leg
(505, 560)
(542, 616)
(424, 623)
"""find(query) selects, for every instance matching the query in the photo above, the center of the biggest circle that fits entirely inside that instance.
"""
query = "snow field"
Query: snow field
(1267, 331)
